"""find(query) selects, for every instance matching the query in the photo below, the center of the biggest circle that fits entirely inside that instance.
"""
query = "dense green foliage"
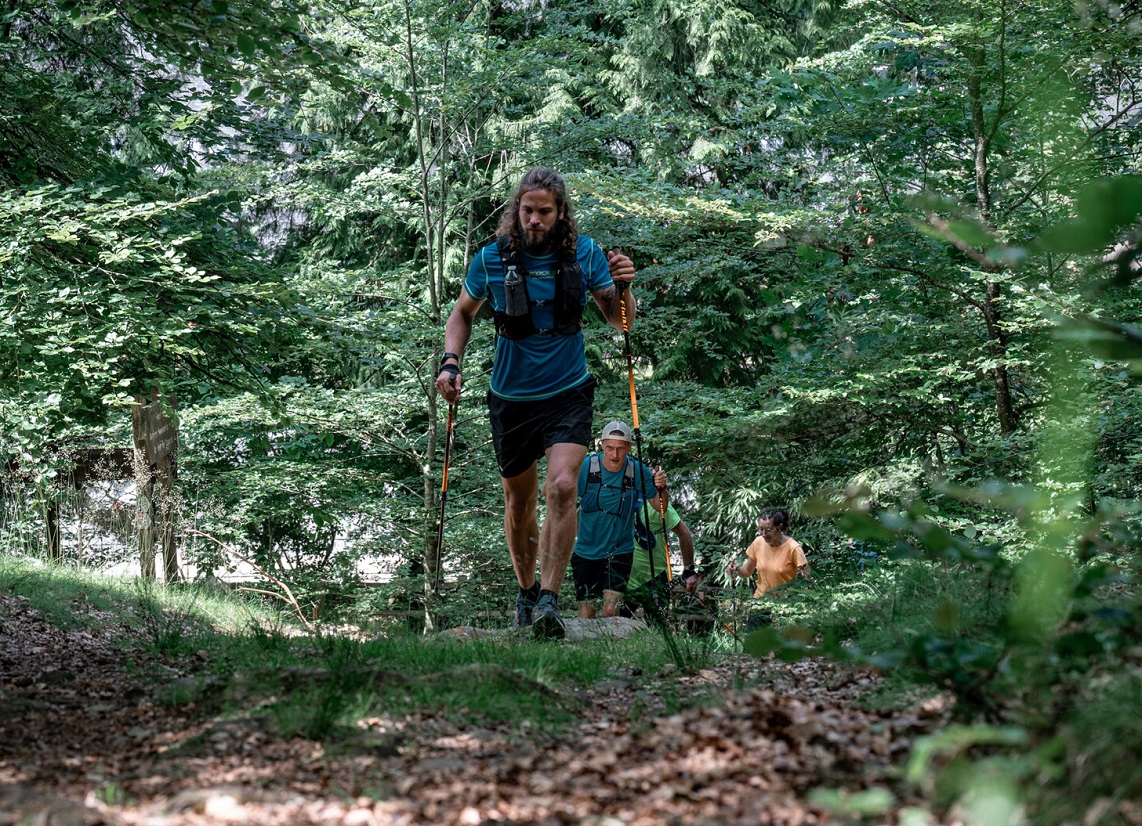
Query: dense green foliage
(886, 268)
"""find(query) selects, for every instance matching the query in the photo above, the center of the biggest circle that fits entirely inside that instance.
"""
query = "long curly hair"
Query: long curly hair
(565, 233)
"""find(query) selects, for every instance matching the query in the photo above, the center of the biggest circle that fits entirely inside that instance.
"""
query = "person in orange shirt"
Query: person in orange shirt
(776, 557)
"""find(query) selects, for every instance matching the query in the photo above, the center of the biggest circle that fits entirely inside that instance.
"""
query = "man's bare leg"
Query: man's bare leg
(562, 521)
(543, 537)
(520, 525)
(611, 601)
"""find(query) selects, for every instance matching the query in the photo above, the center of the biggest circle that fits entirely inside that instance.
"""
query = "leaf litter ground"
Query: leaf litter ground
(83, 742)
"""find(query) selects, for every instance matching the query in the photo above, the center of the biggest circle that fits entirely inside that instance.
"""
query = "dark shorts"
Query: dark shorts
(593, 576)
(650, 596)
(522, 431)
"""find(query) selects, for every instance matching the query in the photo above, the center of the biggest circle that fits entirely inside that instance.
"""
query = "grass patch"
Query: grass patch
(238, 658)
(77, 598)
(71, 598)
(324, 685)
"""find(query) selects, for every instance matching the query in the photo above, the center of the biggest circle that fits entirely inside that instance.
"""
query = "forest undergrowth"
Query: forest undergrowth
(182, 705)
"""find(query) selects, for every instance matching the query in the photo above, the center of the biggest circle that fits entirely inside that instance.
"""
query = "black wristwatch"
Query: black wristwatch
(452, 370)
(688, 572)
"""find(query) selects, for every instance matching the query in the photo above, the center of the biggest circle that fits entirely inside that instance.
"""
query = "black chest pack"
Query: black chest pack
(516, 322)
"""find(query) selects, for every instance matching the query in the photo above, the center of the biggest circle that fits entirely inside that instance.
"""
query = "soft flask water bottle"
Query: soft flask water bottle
(515, 294)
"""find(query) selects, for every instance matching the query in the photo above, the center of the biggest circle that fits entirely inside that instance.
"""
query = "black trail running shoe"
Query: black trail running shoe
(524, 611)
(546, 624)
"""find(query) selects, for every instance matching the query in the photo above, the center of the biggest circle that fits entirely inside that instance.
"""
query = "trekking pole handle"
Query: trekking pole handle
(630, 372)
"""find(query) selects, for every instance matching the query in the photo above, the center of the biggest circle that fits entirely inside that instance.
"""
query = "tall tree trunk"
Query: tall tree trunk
(166, 516)
(145, 518)
(438, 138)
(51, 524)
(997, 341)
(432, 229)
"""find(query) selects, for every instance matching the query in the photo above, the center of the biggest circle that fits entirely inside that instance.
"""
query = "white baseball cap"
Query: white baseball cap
(616, 430)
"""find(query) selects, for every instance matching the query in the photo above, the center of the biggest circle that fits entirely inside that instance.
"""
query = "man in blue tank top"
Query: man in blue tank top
(537, 276)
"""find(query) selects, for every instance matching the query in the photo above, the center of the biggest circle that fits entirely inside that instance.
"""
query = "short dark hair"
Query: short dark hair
(779, 516)
(565, 234)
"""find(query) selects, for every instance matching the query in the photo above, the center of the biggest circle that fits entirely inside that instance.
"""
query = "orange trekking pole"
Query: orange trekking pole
(449, 431)
(638, 436)
(655, 610)
(634, 405)
(665, 535)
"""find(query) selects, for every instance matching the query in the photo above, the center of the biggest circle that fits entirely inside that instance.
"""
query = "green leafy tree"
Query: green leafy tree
(125, 268)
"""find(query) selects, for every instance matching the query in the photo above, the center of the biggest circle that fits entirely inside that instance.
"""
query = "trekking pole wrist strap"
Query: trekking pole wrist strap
(451, 369)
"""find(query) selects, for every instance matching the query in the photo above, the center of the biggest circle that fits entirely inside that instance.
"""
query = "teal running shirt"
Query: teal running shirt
(609, 530)
(539, 366)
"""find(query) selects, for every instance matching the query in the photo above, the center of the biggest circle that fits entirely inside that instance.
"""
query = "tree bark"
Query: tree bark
(51, 522)
(997, 344)
(997, 341)
(166, 476)
(145, 518)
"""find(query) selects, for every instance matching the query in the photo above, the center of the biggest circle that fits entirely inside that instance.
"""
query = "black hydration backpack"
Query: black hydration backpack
(589, 501)
(568, 296)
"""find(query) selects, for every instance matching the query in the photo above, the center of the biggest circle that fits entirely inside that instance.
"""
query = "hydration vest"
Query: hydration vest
(589, 501)
(568, 302)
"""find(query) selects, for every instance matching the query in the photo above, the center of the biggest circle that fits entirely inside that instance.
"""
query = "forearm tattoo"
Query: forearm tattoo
(609, 294)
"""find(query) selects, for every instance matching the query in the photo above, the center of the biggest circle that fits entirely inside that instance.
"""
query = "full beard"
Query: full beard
(537, 243)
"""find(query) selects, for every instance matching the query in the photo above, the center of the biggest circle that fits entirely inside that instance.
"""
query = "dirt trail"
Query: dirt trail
(81, 742)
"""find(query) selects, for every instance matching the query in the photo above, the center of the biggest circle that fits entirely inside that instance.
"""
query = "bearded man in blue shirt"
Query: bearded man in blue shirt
(537, 276)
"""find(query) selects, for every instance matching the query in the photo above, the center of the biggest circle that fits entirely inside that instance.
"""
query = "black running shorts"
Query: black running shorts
(522, 431)
(593, 576)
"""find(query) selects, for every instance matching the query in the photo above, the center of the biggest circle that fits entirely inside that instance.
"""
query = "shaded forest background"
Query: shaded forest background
(886, 258)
